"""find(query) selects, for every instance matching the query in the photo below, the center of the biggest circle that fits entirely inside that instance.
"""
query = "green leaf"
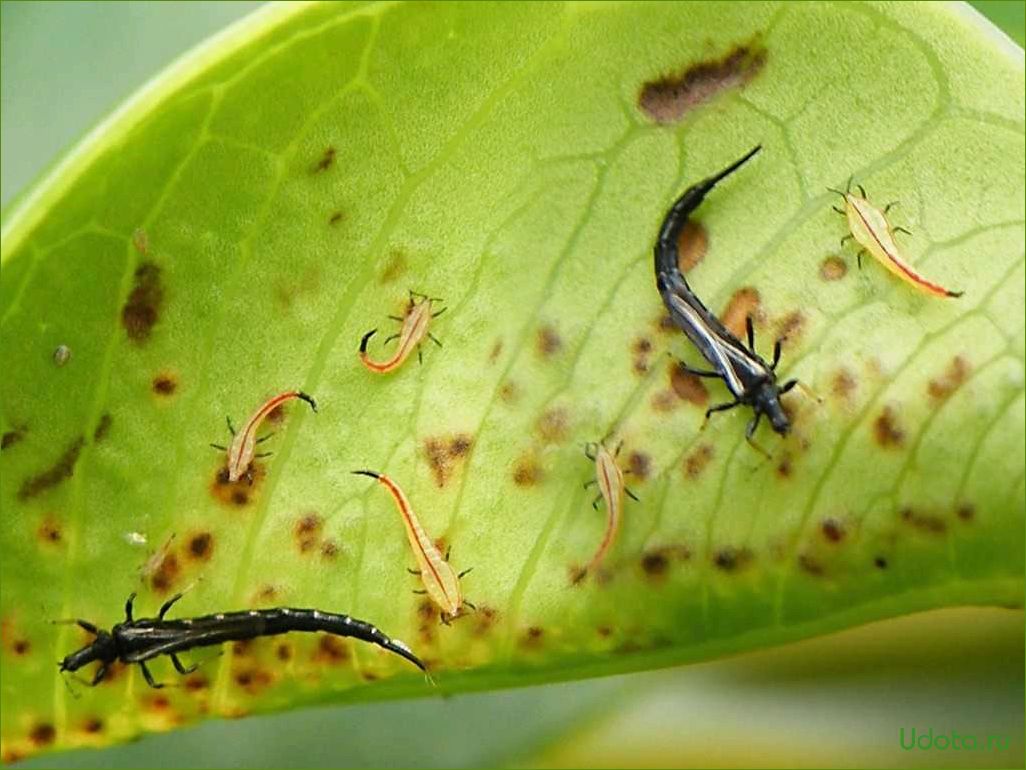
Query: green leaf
(203, 249)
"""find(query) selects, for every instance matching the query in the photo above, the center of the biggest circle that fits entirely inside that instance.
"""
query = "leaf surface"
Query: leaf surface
(236, 228)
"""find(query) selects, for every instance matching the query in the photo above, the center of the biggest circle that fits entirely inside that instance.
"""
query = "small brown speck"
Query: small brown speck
(307, 532)
(665, 400)
(785, 467)
(496, 350)
(732, 559)
(242, 648)
(655, 563)
(665, 325)
(326, 160)
(283, 652)
(92, 725)
(102, 427)
(966, 511)
(49, 531)
(604, 631)
(549, 342)
(843, 384)
(141, 242)
(142, 308)
(880, 562)
(166, 573)
(164, 385)
(696, 462)
(833, 269)
(527, 472)
(790, 327)
(42, 734)
(887, 431)
(744, 303)
(444, 452)
(923, 522)
(336, 217)
(639, 464)
(485, 620)
(196, 682)
(201, 546)
(692, 244)
(395, 266)
(329, 549)
(687, 386)
(21, 647)
(509, 392)
(833, 529)
(532, 638)
(553, 425)
(943, 386)
(12, 437)
(810, 565)
(331, 650)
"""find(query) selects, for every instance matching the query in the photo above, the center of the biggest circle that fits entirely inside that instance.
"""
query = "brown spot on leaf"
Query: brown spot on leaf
(553, 426)
(687, 386)
(102, 427)
(266, 594)
(196, 682)
(485, 619)
(167, 571)
(12, 437)
(201, 546)
(509, 392)
(142, 308)
(42, 734)
(966, 512)
(669, 98)
(493, 356)
(242, 648)
(527, 472)
(744, 303)
(444, 453)
(843, 384)
(240, 493)
(810, 565)
(336, 217)
(950, 381)
(253, 680)
(880, 562)
(790, 327)
(532, 638)
(655, 563)
(785, 468)
(833, 529)
(732, 559)
(329, 549)
(331, 650)
(665, 325)
(692, 244)
(604, 631)
(21, 647)
(283, 652)
(696, 461)
(55, 474)
(549, 342)
(887, 431)
(165, 384)
(665, 400)
(307, 532)
(929, 523)
(92, 725)
(640, 349)
(327, 159)
(577, 574)
(639, 464)
(49, 531)
(833, 269)
(395, 266)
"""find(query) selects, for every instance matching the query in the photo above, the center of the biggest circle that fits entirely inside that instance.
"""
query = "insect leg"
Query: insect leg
(750, 331)
(413, 571)
(128, 607)
(261, 455)
(589, 483)
(631, 495)
(596, 501)
(222, 447)
(862, 190)
(718, 408)
(590, 450)
(390, 338)
(858, 257)
(231, 428)
(180, 668)
(464, 572)
(434, 339)
(262, 439)
(435, 315)
(697, 372)
(420, 355)
(838, 211)
(101, 672)
(148, 676)
(902, 230)
(787, 386)
(167, 605)
(750, 431)
(846, 238)
(419, 591)
(470, 604)
(889, 206)
(776, 353)
(396, 318)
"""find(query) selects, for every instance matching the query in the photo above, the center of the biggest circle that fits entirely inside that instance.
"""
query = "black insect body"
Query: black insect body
(137, 641)
(749, 378)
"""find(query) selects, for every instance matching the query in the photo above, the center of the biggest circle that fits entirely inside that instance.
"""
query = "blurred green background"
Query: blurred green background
(839, 700)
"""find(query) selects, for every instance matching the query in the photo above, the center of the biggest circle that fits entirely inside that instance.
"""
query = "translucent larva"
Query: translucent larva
(244, 441)
(441, 582)
(609, 478)
(411, 335)
(869, 227)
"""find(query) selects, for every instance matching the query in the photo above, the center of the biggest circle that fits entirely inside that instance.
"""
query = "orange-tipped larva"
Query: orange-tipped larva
(609, 478)
(441, 583)
(414, 330)
(241, 451)
(869, 227)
